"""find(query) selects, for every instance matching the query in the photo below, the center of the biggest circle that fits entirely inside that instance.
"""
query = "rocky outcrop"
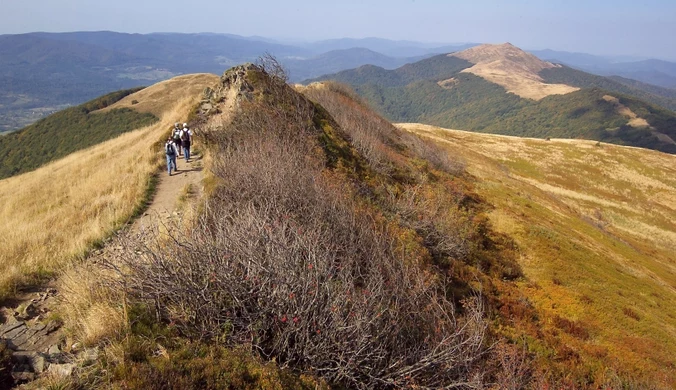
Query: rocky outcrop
(20, 337)
(234, 83)
(35, 349)
(35, 342)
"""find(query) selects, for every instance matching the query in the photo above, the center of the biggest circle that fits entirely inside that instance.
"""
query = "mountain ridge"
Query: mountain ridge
(481, 96)
(109, 61)
(656, 72)
(514, 69)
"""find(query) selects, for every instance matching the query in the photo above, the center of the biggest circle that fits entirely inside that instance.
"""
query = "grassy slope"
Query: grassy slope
(67, 131)
(595, 227)
(411, 94)
(81, 198)
(154, 100)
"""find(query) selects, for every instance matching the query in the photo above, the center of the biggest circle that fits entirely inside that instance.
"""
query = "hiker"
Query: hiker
(171, 152)
(186, 139)
(176, 135)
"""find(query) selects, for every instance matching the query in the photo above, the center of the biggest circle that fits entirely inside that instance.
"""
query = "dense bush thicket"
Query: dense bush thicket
(291, 259)
(67, 131)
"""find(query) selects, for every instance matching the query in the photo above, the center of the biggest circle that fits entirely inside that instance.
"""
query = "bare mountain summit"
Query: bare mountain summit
(512, 68)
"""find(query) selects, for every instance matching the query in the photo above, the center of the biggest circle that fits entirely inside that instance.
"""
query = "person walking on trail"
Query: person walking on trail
(176, 135)
(186, 140)
(171, 152)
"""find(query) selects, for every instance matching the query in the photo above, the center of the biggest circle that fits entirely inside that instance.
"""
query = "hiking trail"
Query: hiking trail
(29, 324)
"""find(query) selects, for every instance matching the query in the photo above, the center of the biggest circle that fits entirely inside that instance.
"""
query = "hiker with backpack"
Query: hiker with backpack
(186, 140)
(176, 136)
(171, 152)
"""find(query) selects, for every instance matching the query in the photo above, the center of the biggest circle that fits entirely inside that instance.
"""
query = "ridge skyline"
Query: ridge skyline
(344, 41)
(619, 27)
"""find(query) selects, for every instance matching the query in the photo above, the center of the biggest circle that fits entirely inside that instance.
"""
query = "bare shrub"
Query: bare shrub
(439, 158)
(368, 132)
(286, 260)
(273, 69)
(514, 371)
(373, 136)
(446, 228)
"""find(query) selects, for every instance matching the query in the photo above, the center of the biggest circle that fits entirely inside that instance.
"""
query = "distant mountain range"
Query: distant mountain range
(502, 89)
(387, 47)
(41, 73)
(657, 72)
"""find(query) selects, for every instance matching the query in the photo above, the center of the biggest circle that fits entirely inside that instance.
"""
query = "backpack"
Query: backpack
(177, 134)
(169, 148)
(185, 137)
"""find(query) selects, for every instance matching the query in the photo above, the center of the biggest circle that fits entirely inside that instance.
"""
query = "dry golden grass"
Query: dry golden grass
(634, 120)
(512, 68)
(160, 97)
(56, 213)
(596, 228)
(93, 312)
(448, 84)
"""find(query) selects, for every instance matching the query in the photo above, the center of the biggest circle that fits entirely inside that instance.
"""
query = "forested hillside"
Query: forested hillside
(652, 94)
(437, 91)
(67, 131)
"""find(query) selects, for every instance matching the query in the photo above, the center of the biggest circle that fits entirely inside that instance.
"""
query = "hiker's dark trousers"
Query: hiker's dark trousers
(186, 150)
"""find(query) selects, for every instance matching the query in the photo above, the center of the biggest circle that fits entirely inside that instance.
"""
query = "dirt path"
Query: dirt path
(29, 327)
(184, 185)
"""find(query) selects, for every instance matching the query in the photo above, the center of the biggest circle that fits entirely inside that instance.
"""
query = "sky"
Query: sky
(641, 28)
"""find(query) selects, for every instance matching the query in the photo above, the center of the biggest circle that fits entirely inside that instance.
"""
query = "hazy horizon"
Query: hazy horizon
(605, 28)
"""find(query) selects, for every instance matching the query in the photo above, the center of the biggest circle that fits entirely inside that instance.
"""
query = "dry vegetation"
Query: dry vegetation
(634, 120)
(513, 69)
(60, 211)
(595, 224)
(342, 248)
(158, 99)
(290, 260)
(334, 244)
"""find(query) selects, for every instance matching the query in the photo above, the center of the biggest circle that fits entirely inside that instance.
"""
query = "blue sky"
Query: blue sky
(619, 27)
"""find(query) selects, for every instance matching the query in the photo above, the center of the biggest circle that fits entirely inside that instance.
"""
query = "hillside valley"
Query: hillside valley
(502, 89)
(319, 236)
(41, 73)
